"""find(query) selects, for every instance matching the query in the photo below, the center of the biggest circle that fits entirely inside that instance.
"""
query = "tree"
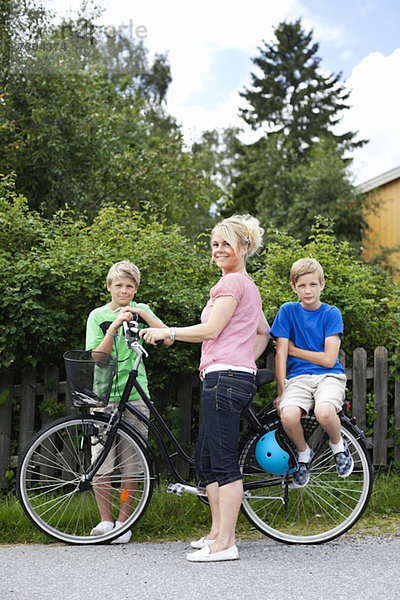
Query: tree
(60, 133)
(217, 151)
(299, 168)
(124, 59)
(92, 129)
(287, 194)
(291, 95)
(22, 22)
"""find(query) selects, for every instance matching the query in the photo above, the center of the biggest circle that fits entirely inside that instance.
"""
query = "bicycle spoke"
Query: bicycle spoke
(52, 484)
(323, 509)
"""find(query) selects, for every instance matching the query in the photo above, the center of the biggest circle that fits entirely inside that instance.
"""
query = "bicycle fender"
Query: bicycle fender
(352, 423)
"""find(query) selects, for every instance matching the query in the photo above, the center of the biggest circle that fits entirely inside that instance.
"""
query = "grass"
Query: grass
(172, 518)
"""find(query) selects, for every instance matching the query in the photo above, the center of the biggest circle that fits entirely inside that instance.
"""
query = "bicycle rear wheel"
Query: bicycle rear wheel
(51, 481)
(325, 508)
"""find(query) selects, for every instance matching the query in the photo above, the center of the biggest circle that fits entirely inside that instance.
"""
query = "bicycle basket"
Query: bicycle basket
(90, 376)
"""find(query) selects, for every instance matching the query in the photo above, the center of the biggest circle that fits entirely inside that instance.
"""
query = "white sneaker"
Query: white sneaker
(201, 543)
(102, 528)
(124, 538)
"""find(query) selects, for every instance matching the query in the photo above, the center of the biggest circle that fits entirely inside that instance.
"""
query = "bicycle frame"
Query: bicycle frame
(157, 432)
(181, 485)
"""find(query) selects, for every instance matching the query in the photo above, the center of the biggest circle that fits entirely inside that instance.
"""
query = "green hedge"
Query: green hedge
(53, 273)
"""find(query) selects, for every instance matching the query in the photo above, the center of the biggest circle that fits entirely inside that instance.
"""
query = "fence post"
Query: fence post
(342, 358)
(161, 399)
(5, 426)
(380, 391)
(397, 412)
(50, 395)
(184, 397)
(360, 386)
(27, 415)
(50, 392)
(69, 407)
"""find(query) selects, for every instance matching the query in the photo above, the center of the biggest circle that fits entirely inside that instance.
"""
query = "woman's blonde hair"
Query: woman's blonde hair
(240, 230)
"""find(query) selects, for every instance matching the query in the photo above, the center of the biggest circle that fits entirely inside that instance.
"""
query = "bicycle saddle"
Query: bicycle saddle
(264, 376)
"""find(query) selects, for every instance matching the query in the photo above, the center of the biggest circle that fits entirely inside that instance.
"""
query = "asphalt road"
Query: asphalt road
(350, 568)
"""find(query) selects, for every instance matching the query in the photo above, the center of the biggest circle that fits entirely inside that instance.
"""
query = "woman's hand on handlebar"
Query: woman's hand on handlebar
(152, 335)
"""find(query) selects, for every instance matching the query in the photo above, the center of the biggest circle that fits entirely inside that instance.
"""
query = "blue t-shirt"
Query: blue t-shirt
(307, 329)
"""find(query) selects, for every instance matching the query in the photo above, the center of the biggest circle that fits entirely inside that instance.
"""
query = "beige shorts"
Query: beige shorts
(306, 391)
(120, 455)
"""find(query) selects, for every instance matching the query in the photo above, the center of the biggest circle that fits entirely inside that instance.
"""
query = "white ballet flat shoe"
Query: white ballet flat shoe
(205, 555)
(201, 543)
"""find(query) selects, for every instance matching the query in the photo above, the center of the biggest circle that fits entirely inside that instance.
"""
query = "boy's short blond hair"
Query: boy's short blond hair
(304, 266)
(124, 268)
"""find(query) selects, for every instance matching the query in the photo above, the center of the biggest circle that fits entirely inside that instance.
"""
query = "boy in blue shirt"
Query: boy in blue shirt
(308, 335)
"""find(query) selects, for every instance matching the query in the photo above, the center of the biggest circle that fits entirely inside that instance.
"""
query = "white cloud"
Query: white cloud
(321, 31)
(193, 33)
(196, 119)
(375, 86)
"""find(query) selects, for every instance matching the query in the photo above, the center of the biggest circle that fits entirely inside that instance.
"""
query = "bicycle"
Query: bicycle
(57, 482)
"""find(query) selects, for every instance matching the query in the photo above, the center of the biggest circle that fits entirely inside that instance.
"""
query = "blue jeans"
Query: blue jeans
(225, 396)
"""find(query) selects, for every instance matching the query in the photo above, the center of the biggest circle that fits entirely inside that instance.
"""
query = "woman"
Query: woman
(234, 333)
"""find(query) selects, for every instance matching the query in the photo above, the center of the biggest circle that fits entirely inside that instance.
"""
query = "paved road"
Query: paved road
(351, 568)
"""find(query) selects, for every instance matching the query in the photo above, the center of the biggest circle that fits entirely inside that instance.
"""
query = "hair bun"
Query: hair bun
(248, 231)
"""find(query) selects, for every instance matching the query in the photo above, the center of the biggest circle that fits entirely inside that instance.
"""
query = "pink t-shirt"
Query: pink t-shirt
(235, 343)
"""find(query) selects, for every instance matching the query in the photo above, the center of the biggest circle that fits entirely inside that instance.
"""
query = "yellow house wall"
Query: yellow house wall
(384, 221)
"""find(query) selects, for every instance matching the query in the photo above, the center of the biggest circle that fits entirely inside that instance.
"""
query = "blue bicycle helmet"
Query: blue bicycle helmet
(274, 455)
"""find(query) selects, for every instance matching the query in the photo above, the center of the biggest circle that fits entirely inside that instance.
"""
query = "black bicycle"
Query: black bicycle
(59, 485)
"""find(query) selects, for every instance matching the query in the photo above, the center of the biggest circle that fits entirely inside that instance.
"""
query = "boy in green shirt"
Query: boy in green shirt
(102, 335)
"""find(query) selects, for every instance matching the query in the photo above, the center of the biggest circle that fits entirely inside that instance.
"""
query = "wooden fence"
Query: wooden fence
(34, 396)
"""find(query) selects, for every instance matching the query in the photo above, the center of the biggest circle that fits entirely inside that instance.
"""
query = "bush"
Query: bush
(53, 273)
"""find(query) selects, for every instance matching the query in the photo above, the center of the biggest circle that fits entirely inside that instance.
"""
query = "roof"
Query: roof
(376, 182)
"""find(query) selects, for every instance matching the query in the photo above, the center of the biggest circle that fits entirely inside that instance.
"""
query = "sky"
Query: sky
(210, 45)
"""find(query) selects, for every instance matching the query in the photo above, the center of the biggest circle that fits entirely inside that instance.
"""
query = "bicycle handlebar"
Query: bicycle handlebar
(131, 331)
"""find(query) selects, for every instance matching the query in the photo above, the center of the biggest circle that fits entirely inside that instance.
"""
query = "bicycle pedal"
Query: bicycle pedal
(175, 488)
(179, 489)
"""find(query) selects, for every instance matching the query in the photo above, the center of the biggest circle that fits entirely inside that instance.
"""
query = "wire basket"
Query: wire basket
(90, 377)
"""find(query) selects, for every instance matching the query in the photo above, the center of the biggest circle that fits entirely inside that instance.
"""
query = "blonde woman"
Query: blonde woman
(234, 333)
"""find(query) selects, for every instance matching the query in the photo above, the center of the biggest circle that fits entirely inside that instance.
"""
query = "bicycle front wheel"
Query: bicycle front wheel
(57, 497)
(325, 508)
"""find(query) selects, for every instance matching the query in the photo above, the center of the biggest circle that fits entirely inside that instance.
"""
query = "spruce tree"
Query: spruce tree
(290, 94)
(299, 167)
